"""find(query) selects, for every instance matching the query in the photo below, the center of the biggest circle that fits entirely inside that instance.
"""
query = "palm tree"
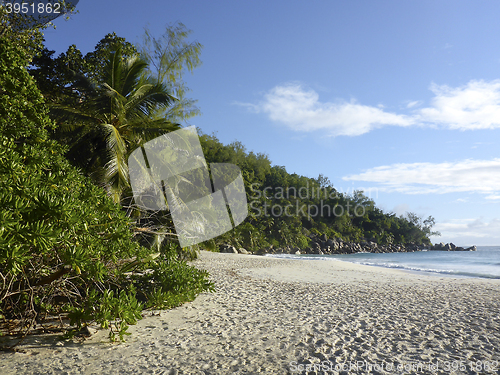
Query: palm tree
(109, 119)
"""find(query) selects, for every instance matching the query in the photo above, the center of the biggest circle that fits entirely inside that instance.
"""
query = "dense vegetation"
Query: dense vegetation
(286, 209)
(65, 248)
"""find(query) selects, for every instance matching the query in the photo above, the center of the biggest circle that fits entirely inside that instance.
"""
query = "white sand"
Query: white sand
(278, 316)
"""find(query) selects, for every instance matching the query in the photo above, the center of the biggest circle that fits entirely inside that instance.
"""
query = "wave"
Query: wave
(476, 268)
(459, 273)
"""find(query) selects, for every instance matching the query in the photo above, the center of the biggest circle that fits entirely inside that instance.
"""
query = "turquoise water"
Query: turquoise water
(483, 263)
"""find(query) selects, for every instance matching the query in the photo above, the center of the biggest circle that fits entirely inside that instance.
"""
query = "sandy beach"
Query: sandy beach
(281, 316)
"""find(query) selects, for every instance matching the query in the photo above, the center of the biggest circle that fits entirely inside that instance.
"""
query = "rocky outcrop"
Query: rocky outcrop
(243, 251)
(224, 248)
(451, 247)
(321, 245)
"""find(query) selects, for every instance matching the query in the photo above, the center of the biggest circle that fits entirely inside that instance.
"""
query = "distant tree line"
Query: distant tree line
(285, 209)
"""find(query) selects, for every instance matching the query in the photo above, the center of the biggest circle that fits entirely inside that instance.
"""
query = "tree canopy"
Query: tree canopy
(285, 209)
(169, 57)
(65, 248)
(119, 113)
(114, 99)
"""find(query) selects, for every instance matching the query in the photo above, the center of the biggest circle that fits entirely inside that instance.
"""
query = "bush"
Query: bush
(170, 284)
(65, 248)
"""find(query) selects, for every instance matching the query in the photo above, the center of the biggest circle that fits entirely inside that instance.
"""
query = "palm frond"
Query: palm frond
(134, 67)
(116, 167)
(122, 110)
(149, 97)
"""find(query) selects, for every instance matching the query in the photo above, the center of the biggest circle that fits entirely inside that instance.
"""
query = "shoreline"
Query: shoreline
(443, 273)
(278, 316)
(379, 269)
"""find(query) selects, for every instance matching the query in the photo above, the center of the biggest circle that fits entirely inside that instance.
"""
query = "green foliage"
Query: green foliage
(110, 101)
(94, 62)
(113, 311)
(169, 57)
(314, 207)
(171, 283)
(57, 76)
(64, 245)
(117, 114)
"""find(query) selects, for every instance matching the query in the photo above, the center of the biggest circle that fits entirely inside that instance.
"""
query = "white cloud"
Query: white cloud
(413, 103)
(301, 110)
(470, 107)
(473, 106)
(466, 232)
(482, 176)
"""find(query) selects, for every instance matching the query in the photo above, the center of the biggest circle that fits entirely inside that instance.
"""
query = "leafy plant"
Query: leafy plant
(65, 247)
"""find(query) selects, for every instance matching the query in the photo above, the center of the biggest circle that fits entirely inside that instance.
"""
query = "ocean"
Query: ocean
(483, 263)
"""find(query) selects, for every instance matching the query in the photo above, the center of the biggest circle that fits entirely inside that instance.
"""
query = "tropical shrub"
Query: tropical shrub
(65, 248)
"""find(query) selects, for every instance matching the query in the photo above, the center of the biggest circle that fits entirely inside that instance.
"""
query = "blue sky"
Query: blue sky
(397, 98)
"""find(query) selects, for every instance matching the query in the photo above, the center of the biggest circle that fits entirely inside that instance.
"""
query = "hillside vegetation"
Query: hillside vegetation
(286, 210)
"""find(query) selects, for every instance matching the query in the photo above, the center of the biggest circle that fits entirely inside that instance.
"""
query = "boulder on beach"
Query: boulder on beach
(228, 249)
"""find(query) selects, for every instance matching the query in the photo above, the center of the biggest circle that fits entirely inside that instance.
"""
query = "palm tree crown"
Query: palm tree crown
(113, 117)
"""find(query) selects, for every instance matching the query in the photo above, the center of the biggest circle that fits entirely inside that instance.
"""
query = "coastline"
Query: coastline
(322, 245)
(278, 316)
(482, 263)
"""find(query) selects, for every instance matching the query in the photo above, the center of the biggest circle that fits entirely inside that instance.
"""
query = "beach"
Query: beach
(284, 316)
